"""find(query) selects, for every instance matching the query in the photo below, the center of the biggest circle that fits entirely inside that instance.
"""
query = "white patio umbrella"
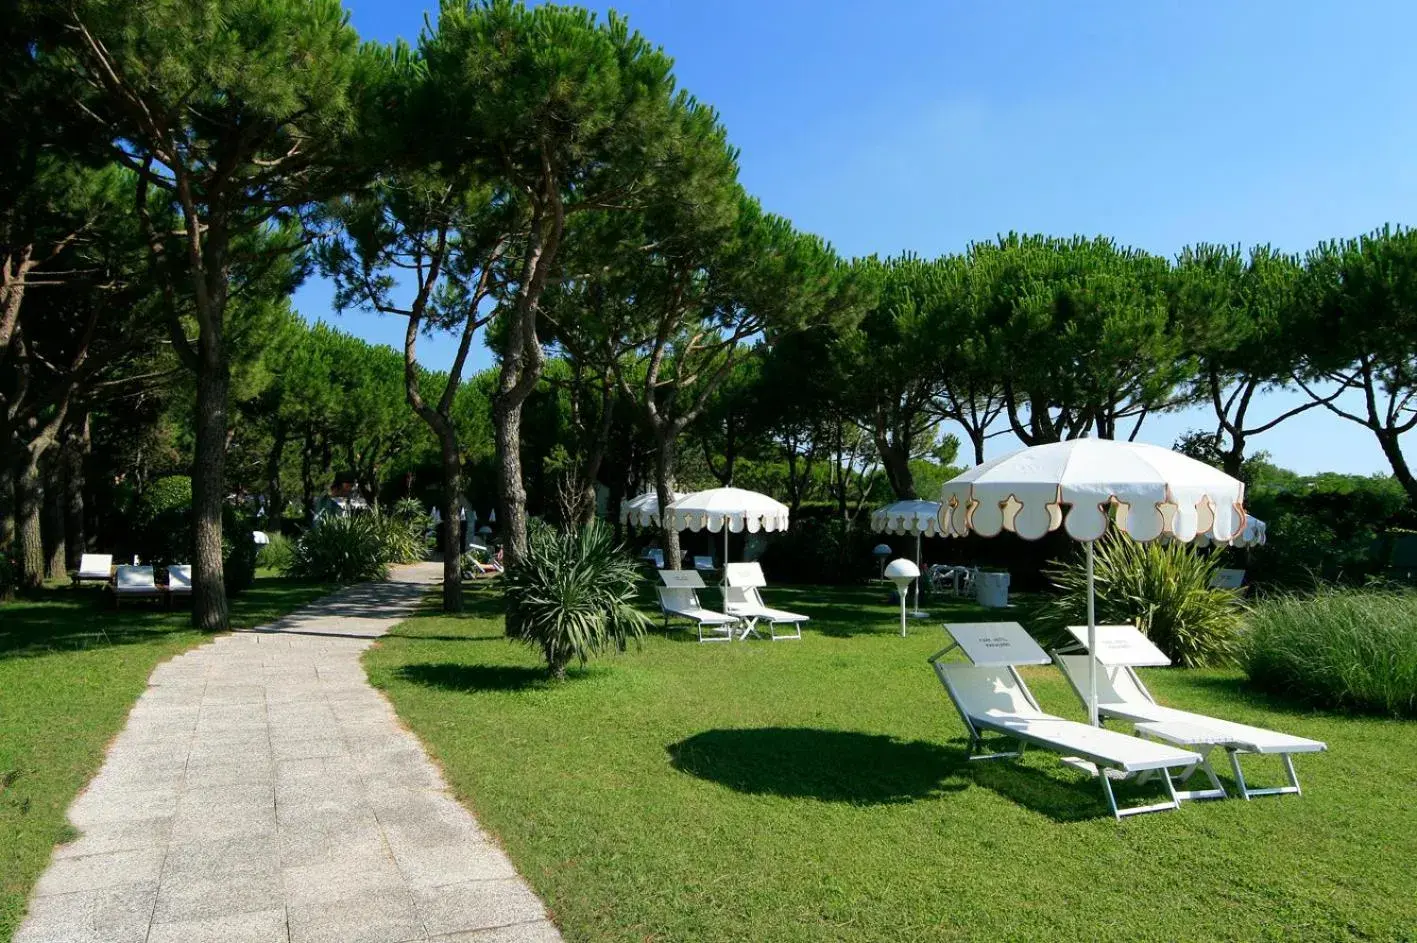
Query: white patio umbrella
(643, 511)
(921, 518)
(727, 509)
(1253, 534)
(1144, 490)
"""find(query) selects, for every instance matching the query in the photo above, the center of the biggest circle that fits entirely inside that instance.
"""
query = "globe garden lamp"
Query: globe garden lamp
(902, 572)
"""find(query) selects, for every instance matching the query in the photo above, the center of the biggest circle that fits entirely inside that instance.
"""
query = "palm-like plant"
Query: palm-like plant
(1162, 588)
(572, 595)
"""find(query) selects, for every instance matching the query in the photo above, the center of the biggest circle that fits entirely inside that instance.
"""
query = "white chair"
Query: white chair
(1122, 695)
(135, 581)
(991, 697)
(179, 579)
(741, 598)
(94, 567)
(679, 598)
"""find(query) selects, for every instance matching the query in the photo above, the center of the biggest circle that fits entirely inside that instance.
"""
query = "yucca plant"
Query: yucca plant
(1349, 649)
(1162, 588)
(572, 595)
(404, 538)
(342, 549)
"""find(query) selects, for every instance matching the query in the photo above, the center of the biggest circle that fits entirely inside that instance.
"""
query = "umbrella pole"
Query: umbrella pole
(725, 547)
(916, 611)
(1091, 644)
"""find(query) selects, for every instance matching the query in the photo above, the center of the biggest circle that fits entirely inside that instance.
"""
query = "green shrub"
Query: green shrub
(1162, 588)
(163, 532)
(9, 574)
(342, 549)
(573, 595)
(831, 552)
(405, 539)
(277, 554)
(1350, 649)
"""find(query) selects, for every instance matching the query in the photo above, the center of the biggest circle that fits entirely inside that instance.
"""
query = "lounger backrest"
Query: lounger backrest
(996, 644)
(677, 598)
(96, 564)
(1121, 645)
(135, 577)
(985, 692)
(1228, 579)
(741, 596)
(683, 579)
(179, 576)
(1115, 684)
(744, 574)
(703, 563)
(656, 557)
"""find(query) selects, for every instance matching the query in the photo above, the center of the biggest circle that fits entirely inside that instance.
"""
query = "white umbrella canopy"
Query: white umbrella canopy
(1144, 490)
(643, 511)
(727, 509)
(1253, 534)
(920, 518)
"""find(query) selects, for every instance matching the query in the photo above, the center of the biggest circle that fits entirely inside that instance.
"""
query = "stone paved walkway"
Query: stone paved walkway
(262, 791)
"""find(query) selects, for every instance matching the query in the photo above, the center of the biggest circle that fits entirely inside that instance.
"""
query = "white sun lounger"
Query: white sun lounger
(179, 579)
(131, 581)
(742, 598)
(679, 598)
(991, 697)
(1122, 695)
(94, 568)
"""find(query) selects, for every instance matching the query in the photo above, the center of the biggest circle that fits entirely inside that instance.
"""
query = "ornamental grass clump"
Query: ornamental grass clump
(342, 548)
(1346, 649)
(1161, 588)
(572, 595)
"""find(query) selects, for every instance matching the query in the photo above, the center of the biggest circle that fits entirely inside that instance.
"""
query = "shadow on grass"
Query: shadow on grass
(451, 676)
(75, 618)
(829, 765)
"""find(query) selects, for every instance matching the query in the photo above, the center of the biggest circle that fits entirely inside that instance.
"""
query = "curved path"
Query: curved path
(262, 791)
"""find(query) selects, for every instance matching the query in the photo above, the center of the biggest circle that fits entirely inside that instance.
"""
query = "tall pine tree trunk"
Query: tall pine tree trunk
(511, 490)
(72, 458)
(56, 557)
(7, 501)
(209, 605)
(665, 456)
(29, 501)
(452, 543)
(275, 497)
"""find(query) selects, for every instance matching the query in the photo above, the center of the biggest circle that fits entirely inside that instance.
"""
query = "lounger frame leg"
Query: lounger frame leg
(796, 631)
(1120, 814)
(1246, 792)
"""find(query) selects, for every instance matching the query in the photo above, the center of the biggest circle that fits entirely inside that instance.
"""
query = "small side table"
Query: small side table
(1194, 737)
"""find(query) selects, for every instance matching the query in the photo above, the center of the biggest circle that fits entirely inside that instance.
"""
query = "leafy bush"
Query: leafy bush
(1350, 649)
(9, 574)
(573, 595)
(1162, 588)
(821, 551)
(405, 539)
(163, 532)
(277, 554)
(342, 549)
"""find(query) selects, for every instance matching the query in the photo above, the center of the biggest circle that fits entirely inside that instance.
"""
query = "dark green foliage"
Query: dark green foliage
(404, 538)
(163, 532)
(1344, 649)
(821, 551)
(277, 554)
(1161, 588)
(573, 595)
(342, 548)
(9, 573)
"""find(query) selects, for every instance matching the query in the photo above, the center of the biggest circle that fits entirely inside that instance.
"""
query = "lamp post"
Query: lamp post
(901, 572)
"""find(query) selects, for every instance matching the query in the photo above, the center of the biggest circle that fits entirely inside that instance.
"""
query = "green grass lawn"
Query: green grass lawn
(818, 790)
(65, 691)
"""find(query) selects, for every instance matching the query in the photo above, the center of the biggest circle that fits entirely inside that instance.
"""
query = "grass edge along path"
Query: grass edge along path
(65, 692)
(811, 790)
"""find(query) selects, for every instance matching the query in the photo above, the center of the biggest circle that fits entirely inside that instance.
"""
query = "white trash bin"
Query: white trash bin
(991, 590)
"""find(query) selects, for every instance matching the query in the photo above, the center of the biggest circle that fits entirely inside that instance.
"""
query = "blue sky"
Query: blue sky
(919, 125)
